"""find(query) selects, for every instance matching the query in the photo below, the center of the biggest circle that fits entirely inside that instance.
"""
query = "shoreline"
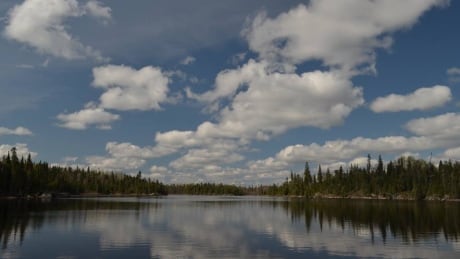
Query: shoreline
(317, 196)
(398, 197)
(49, 196)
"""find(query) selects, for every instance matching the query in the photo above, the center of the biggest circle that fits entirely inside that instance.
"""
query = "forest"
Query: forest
(206, 189)
(403, 178)
(22, 177)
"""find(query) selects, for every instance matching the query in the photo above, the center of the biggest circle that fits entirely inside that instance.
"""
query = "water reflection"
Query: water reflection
(234, 227)
(411, 221)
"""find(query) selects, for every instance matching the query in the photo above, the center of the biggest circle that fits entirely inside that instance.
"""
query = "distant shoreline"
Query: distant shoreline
(398, 197)
(73, 196)
(315, 197)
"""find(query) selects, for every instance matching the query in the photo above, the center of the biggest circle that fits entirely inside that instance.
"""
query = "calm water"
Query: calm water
(232, 227)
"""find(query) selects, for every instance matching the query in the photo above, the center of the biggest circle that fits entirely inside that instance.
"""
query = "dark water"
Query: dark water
(228, 227)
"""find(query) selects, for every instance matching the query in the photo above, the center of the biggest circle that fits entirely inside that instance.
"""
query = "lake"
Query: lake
(228, 227)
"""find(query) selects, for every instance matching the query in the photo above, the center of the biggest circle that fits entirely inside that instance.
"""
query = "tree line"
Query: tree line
(21, 177)
(404, 178)
(206, 189)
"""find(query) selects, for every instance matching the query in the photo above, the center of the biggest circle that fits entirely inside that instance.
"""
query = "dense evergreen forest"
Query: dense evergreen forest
(404, 178)
(206, 189)
(21, 177)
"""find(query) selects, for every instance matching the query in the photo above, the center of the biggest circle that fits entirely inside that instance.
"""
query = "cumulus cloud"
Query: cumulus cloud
(203, 149)
(342, 34)
(114, 163)
(41, 25)
(205, 158)
(22, 150)
(98, 10)
(332, 151)
(275, 102)
(160, 173)
(127, 149)
(452, 153)
(19, 131)
(362, 162)
(188, 60)
(125, 89)
(442, 131)
(90, 116)
(200, 158)
(267, 165)
(129, 89)
(444, 126)
(267, 97)
(421, 99)
(158, 170)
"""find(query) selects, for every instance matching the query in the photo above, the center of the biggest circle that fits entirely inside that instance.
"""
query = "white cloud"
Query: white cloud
(176, 139)
(200, 158)
(408, 154)
(362, 162)
(130, 89)
(205, 156)
(442, 131)
(452, 153)
(421, 99)
(188, 60)
(40, 24)
(340, 150)
(339, 33)
(160, 173)
(125, 89)
(87, 117)
(22, 150)
(444, 126)
(275, 102)
(19, 131)
(125, 157)
(114, 163)
(126, 149)
(96, 9)
(267, 165)
(154, 169)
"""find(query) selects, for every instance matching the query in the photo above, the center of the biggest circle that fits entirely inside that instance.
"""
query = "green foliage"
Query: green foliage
(19, 177)
(205, 189)
(404, 178)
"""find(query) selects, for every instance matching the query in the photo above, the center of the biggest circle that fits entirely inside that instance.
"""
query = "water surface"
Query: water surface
(228, 227)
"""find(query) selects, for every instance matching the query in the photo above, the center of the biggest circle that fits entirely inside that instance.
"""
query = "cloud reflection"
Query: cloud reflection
(249, 227)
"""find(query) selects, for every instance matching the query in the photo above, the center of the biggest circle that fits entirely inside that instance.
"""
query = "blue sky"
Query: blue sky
(236, 92)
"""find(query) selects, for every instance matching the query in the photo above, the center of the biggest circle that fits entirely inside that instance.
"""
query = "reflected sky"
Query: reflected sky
(232, 227)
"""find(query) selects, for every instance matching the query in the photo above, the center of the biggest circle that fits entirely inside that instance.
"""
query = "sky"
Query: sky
(239, 92)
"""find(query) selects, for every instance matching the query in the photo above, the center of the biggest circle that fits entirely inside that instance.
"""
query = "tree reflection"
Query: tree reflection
(411, 221)
(17, 216)
(405, 220)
